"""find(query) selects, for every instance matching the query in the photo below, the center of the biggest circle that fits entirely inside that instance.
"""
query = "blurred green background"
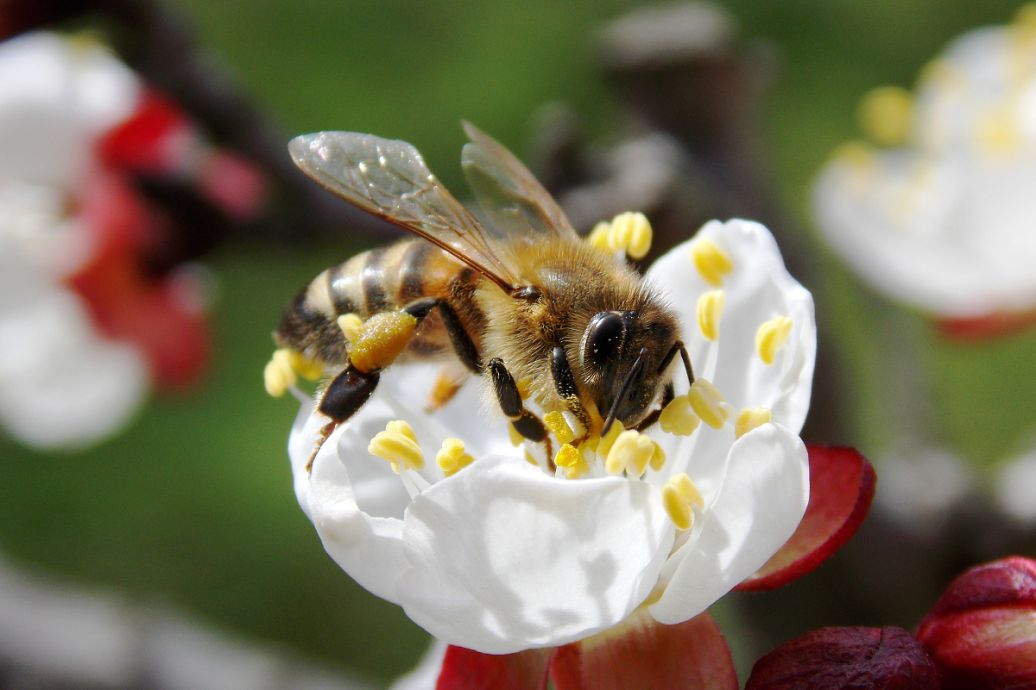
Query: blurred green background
(193, 504)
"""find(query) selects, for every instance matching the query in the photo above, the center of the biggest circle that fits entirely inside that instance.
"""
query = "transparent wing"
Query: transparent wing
(389, 178)
(515, 202)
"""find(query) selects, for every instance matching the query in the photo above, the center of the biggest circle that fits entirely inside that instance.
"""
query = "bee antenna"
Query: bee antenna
(325, 433)
(626, 383)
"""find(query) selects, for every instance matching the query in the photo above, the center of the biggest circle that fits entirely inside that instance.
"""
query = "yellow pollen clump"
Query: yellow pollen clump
(451, 457)
(751, 418)
(598, 237)
(557, 424)
(771, 337)
(350, 325)
(397, 444)
(679, 498)
(278, 374)
(632, 451)
(711, 261)
(381, 339)
(571, 460)
(710, 309)
(678, 417)
(708, 403)
(885, 115)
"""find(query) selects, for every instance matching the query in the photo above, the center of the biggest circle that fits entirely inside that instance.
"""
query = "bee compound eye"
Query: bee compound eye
(603, 340)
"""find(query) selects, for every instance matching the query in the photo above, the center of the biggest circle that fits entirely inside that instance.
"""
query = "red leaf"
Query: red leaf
(642, 654)
(466, 669)
(986, 327)
(847, 659)
(841, 487)
(982, 631)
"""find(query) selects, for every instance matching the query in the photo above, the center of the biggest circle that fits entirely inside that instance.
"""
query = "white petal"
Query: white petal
(504, 558)
(425, 675)
(758, 288)
(760, 503)
(61, 384)
(56, 98)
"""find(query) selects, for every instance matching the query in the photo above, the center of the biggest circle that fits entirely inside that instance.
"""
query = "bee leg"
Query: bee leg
(346, 394)
(524, 422)
(565, 384)
(667, 397)
(678, 346)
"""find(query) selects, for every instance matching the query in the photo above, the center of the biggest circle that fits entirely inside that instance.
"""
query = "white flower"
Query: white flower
(942, 221)
(502, 556)
(61, 383)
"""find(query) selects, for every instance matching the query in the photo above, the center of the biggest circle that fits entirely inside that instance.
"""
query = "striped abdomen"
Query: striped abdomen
(378, 280)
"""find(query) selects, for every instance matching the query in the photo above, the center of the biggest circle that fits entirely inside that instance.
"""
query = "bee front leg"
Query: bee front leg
(667, 397)
(524, 422)
(565, 384)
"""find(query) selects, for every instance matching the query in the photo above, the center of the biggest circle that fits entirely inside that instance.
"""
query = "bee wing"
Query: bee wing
(516, 203)
(389, 179)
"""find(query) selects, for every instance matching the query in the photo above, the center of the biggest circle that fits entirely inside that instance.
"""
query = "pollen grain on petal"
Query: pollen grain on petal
(570, 459)
(708, 403)
(398, 446)
(771, 337)
(710, 309)
(751, 418)
(712, 262)
(452, 457)
(678, 417)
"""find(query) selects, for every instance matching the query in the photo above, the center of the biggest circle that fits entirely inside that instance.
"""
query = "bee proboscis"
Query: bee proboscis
(519, 297)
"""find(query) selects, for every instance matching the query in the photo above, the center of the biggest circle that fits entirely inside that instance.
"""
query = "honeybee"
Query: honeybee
(518, 298)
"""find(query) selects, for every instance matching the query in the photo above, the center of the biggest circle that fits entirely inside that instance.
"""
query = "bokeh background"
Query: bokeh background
(193, 504)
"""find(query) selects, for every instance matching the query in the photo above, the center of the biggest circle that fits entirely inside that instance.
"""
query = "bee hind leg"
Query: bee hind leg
(342, 398)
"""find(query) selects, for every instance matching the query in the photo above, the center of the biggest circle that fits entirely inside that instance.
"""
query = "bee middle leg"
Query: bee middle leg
(524, 422)
(565, 384)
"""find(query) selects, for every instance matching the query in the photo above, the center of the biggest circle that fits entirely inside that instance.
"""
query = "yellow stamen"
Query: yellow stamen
(997, 133)
(451, 457)
(307, 368)
(751, 418)
(397, 445)
(445, 387)
(631, 452)
(381, 339)
(557, 424)
(278, 374)
(678, 417)
(771, 337)
(351, 325)
(516, 438)
(679, 497)
(708, 403)
(631, 232)
(531, 459)
(657, 460)
(710, 309)
(711, 261)
(598, 237)
(604, 443)
(885, 115)
(571, 461)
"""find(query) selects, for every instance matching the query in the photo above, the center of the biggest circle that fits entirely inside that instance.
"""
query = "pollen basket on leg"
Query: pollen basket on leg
(381, 339)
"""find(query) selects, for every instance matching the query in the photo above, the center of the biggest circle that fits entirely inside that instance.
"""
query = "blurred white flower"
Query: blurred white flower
(1015, 487)
(62, 384)
(503, 555)
(940, 216)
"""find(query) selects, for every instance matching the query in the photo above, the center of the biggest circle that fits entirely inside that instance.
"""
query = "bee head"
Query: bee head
(623, 356)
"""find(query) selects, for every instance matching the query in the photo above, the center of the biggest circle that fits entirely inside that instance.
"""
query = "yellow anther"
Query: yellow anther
(278, 375)
(708, 403)
(885, 115)
(604, 443)
(307, 368)
(397, 445)
(599, 237)
(678, 417)
(771, 337)
(630, 232)
(710, 309)
(679, 497)
(557, 424)
(1025, 17)
(451, 457)
(631, 452)
(856, 154)
(751, 418)
(351, 325)
(997, 133)
(711, 261)
(657, 460)
(381, 339)
(571, 460)
(516, 438)
(531, 459)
